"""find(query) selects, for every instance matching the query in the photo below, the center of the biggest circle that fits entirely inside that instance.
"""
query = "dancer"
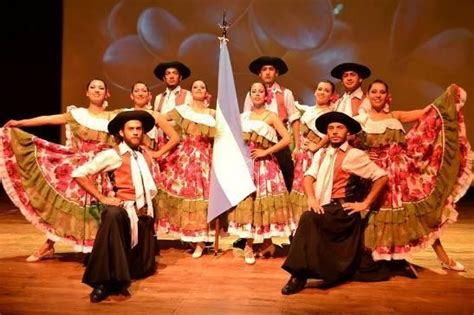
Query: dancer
(184, 200)
(328, 242)
(267, 213)
(428, 170)
(172, 73)
(141, 96)
(36, 174)
(351, 76)
(281, 101)
(124, 246)
(311, 141)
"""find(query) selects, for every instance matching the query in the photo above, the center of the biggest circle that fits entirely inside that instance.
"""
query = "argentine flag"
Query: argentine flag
(231, 174)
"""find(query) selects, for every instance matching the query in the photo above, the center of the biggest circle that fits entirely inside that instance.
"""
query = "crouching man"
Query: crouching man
(328, 242)
(124, 246)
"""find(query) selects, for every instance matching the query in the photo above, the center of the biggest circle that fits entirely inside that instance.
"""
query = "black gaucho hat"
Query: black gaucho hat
(324, 120)
(256, 65)
(116, 124)
(181, 67)
(361, 70)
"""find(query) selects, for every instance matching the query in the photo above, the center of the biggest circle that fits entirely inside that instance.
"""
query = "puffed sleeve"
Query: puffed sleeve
(104, 161)
(358, 162)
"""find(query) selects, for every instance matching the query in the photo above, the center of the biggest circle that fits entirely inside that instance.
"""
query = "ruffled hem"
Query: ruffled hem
(465, 175)
(396, 232)
(406, 251)
(299, 204)
(265, 217)
(258, 234)
(40, 203)
(183, 218)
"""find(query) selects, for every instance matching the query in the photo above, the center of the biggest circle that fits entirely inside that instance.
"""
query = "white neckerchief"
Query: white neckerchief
(345, 104)
(325, 178)
(145, 188)
(169, 101)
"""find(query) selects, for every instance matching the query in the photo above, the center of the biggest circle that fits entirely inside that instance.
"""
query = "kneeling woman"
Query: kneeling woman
(267, 213)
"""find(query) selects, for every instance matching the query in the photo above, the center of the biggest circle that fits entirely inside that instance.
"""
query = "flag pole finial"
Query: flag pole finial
(224, 26)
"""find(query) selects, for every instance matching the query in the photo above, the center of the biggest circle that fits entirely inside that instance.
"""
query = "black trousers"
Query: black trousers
(329, 246)
(113, 262)
(287, 166)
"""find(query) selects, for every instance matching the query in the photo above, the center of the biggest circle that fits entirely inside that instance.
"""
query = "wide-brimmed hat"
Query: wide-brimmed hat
(256, 65)
(116, 124)
(181, 67)
(324, 120)
(361, 70)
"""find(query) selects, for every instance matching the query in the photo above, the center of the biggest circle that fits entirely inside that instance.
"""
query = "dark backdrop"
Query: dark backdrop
(32, 42)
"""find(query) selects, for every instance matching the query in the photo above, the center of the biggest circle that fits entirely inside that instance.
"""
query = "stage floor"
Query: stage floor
(223, 284)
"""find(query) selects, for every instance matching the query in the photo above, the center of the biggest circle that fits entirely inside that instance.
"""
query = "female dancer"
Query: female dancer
(428, 171)
(141, 97)
(267, 213)
(37, 174)
(184, 200)
(311, 141)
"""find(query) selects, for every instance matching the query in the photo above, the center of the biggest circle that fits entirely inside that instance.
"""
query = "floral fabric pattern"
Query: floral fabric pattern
(267, 213)
(39, 182)
(185, 186)
(418, 199)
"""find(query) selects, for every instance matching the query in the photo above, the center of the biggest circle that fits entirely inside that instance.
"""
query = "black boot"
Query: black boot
(294, 285)
(99, 294)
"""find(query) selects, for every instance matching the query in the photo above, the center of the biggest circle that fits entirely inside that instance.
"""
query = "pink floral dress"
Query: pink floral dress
(266, 213)
(428, 170)
(184, 195)
(303, 157)
(36, 175)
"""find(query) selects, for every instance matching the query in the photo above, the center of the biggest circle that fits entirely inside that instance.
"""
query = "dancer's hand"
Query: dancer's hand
(310, 145)
(293, 154)
(258, 153)
(112, 201)
(13, 123)
(355, 207)
(314, 205)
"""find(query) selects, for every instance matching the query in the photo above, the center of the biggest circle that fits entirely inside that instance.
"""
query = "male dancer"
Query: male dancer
(328, 241)
(124, 245)
(172, 73)
(351, 76)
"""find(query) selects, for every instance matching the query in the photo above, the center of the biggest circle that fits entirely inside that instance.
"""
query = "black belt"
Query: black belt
(338, 201)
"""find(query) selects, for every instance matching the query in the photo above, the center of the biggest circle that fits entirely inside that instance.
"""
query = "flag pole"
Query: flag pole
(224, 26)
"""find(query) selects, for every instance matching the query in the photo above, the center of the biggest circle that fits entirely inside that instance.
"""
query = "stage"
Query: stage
(224, 284)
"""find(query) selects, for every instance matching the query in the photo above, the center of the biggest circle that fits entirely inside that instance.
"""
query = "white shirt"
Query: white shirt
(145, 187)
(288, 98)
(356, 162)
(344, 104)
(169, 103)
